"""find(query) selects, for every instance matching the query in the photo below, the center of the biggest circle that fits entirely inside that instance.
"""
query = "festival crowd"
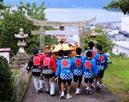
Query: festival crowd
(54, 75)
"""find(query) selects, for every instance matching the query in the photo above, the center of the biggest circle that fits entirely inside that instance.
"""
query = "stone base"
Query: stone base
(19, 60)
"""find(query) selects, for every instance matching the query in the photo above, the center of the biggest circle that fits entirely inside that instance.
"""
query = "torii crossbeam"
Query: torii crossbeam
(58, 24)
(43, 23)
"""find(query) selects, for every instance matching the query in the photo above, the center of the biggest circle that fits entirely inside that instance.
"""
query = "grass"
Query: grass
(117, 77)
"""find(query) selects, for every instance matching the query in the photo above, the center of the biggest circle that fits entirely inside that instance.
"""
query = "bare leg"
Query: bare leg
(47, 87)
(68, 96)
(62, 86)
(78, 88)
(79, 85)
(59, 85)
(68, 89)
(62, 90)
(100, 80)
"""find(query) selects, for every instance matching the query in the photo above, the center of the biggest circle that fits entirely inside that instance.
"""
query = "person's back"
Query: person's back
(101, 58)
(101, 61)
(36, 60)
(64, 72)
(90, 72)
(60, 56)
(77, 62)
(42, 56)
(35, 65)
(89, 67)
(49, 68)
(77, 65)
(49, 63)
(64, 68)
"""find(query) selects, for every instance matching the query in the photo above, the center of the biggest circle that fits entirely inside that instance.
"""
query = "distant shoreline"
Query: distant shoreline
(80, 8)
(79, 14)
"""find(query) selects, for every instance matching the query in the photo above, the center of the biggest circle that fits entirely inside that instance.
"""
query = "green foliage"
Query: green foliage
(7, 88)
(2, 6)
(101, 38)
(122, 5)
(50, 40)
(33, 10)
(32, 43)
(1, 0)
(14, 20)
(11, 24)
(98, 30)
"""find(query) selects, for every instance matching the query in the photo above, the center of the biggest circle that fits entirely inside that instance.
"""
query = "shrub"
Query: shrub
(101, 38)
(7, 88)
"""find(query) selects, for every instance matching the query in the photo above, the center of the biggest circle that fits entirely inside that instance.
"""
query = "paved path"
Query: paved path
(103, 96)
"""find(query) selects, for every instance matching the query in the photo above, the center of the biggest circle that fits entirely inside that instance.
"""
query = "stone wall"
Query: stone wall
(22, 82)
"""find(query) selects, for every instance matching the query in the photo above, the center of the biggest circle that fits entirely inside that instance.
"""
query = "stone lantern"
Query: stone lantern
(21, 36)
(21, 57)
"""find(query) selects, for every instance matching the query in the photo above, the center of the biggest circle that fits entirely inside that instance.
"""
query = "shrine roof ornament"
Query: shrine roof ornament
(52, 23)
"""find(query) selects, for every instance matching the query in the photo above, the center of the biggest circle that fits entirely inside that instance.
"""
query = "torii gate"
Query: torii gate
(43, 23)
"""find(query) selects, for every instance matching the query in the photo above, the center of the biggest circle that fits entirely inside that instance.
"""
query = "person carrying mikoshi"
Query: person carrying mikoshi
(60, 56)
(77, 64)
(102, 64)
(64, 71)
(49, 68)
(36, 66)
(91, 46)
(90, 70)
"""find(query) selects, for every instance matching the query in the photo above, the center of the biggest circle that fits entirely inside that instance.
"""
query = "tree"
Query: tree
(14, 20)
(50, 40)
(122, 5)
(2, 6)
(7, 88)
(33, 11)
(11, 24)
(101, 38)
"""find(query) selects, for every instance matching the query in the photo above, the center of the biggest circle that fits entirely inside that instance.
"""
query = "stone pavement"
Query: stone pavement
(103, 96)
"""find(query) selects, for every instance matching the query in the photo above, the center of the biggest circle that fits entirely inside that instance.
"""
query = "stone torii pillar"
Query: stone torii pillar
(41, 33)
(42, 37)
(81, 34)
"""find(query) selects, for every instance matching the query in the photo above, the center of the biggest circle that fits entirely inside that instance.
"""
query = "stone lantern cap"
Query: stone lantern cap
(21, 34)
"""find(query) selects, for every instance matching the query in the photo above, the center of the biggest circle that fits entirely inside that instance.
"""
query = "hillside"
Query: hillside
(116, 77)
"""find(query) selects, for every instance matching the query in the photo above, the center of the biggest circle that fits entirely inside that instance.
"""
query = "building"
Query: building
(68, 35)
(5, 52)
(125, 24)
(121, 48)
(118, 35)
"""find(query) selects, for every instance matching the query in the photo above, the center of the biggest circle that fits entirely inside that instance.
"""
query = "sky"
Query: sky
(15, 2)
(64, 3)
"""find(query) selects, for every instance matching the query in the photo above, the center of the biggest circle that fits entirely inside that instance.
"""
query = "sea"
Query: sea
(80, 14)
